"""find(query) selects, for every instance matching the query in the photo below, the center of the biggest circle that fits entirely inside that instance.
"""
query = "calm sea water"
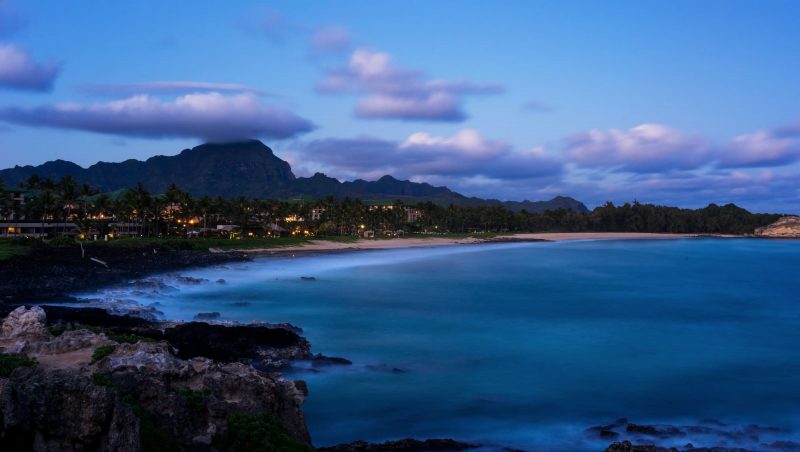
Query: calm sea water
(526, 345)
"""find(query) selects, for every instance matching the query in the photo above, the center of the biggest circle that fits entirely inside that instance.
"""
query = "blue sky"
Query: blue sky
(677, 102)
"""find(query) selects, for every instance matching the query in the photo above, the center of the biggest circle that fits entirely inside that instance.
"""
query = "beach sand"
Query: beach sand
(377, 244)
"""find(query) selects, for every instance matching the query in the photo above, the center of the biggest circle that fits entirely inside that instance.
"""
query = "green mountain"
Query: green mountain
(252, 170)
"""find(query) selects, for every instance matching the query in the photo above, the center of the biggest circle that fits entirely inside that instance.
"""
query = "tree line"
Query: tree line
(175, 212)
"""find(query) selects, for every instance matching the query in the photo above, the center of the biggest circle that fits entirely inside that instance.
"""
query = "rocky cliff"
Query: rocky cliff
(82, 390)
(786, 227)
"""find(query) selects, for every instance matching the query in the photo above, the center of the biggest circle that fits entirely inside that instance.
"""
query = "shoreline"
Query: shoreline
(328, 246)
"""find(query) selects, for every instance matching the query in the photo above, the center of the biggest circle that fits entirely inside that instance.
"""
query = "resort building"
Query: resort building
(127, 229)
(412, 215)
(317, 212)
(38, 230)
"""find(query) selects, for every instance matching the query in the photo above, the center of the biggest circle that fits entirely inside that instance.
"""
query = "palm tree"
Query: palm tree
(67, 197)
(203, 206)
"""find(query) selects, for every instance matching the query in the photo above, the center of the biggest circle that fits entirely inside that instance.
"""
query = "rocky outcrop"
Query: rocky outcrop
(786, 227)
(25, 324)
(708, 435)
(89, 392)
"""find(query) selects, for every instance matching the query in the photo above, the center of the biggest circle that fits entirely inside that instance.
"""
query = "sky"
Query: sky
(671, 102)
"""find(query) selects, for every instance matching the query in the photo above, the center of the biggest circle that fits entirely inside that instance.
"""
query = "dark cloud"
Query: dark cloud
(19, 71)
(390, 92)
(209, 116)
(466, 154)
(168, 87)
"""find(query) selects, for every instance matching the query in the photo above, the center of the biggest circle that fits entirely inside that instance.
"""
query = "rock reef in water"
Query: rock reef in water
(403, 445)
(82, 390)
(786, 227)
(708, 435)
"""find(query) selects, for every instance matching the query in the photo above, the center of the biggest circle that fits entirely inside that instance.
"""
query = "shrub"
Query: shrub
(256, 433)
(11, 361)
(194, 399)
(101, 352)
(62, 241)
(55, 330)
(102, 379)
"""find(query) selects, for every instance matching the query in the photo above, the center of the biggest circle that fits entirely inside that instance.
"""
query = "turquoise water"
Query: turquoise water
(526, 345)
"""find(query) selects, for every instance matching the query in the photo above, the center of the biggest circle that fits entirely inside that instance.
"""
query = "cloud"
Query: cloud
(643, 149)
(535, 106)
(390, 92)
(209, 116)
(269, 23)
(762, 190)
(168, 87)
(18, 71)
(760, 149)
(465, 154)
(330, 39)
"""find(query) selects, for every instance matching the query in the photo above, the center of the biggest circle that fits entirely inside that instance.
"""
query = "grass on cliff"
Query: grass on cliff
(202, 244)
(102, 379)
(101, 352)
(256, 433)
(11, 361)
(195, 400)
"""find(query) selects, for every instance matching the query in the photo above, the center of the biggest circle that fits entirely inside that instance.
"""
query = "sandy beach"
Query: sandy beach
(376, 244)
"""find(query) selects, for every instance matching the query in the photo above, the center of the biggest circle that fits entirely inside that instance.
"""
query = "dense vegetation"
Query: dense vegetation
(175, 213)
(11, 361)
(256, 434)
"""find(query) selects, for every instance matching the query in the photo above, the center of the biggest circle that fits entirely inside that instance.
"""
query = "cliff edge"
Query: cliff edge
(786, 227)
(81, 390)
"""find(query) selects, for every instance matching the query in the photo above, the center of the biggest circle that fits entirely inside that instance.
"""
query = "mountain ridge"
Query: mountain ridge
(251, 169)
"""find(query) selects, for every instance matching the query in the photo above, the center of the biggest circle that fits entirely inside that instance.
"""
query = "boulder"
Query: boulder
(25, 323)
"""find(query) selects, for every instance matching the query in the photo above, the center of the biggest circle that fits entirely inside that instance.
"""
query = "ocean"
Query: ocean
(526, 345)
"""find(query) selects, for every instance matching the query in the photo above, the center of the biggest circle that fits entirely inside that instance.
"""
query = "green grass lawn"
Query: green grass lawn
(9, 248)
(203, 244)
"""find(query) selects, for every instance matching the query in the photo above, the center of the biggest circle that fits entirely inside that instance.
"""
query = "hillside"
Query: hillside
(250, 169)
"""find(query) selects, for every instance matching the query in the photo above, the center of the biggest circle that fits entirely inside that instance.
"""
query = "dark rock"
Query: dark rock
(385, 368)
(320, 360)
(403, 445)
(207, 316)
(666, 431)
(221, 281)
(626, 446)
(308, 278)
(784, 445)
(189, 280)
(601, 432)
(275, 347)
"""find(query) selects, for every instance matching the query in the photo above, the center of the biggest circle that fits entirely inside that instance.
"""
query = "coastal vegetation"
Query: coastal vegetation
(101, 352)
(175, 219)
(11, 361)
(256, 433)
